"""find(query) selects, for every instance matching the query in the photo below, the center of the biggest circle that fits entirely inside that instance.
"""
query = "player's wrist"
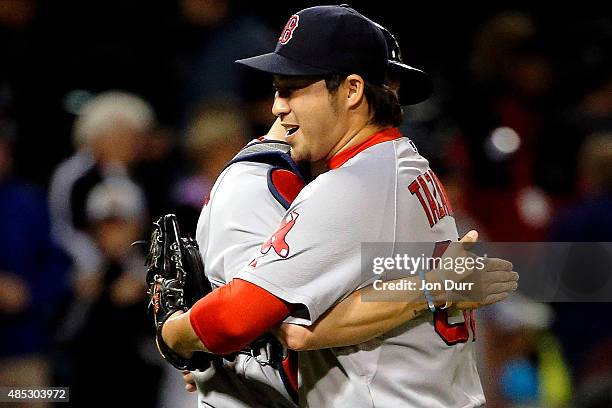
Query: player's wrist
(434, 292)
(172, 334)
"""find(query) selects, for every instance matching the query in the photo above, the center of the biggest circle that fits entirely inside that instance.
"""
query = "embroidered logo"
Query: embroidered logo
(278, 239)
(290, 27)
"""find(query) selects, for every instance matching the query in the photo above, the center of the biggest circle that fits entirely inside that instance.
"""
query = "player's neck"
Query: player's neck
(354, 138)
(318, 168)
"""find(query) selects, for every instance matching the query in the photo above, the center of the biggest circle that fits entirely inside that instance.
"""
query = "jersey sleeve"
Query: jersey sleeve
(225, 320)
(314, 256)
(239, 215)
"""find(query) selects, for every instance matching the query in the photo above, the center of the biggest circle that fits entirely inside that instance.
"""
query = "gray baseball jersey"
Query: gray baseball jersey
(239, 216)
(382, 193)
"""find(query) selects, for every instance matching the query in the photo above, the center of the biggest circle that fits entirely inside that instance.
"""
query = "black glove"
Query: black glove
(175, 281)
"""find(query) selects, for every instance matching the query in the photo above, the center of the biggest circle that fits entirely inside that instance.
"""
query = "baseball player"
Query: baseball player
(240, 192)
(243, 209)
(313, 260)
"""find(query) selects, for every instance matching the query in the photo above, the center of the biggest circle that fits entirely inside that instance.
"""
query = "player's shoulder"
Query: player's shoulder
(247, 168)
(341, 182)
(347, 188)
(388, 156)
(401, 157)
(244, 174)
(242, 179)
(408, 156)
(378, 166)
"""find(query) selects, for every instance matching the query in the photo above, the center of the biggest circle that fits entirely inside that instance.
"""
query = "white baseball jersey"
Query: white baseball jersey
(382, 193)
(239, 216)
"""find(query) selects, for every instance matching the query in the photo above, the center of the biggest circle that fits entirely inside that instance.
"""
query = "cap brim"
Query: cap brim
(415, 85)
(276, 64)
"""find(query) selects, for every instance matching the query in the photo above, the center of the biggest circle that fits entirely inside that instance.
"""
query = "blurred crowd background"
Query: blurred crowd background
(113, 113)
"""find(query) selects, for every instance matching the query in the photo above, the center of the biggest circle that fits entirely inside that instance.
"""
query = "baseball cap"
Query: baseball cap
(415, 85)
(325, 40)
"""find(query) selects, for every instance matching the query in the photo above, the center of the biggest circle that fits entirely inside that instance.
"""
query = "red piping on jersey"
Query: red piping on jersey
(342, 157)
(287, 183)
(290, 366)
(234, 315)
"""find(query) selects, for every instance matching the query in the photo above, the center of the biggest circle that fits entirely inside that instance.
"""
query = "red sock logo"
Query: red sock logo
(287, 33)
(278, 239)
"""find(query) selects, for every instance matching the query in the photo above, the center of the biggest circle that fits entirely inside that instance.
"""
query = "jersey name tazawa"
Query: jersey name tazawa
(435, 203)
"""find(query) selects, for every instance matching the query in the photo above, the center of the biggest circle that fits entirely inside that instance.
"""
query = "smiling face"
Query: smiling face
(313, 117)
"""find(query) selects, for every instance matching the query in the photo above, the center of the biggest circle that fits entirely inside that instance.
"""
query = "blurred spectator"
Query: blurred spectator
(32, 278)
(588, 220)
(508, 152)
(599, 395)
(523, 360)
(455, 185)
(218, 34)
(216, 132)
(159, 164)
(586, 65)
(115, 217)
(595, 389)
(107, 136)
(453, 171)
(17, 13)
(595, 109)
(504, 113)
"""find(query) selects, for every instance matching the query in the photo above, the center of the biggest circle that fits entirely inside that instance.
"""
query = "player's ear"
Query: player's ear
(355, 86)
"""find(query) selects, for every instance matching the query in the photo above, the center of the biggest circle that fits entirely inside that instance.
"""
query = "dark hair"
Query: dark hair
(383, 102)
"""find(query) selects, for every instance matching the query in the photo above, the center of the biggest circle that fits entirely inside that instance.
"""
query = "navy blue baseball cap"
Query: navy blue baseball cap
(326, 40)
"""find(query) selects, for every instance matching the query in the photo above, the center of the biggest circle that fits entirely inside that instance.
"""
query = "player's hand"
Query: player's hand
(496, 282)
(189, 381)
(277, 131)
(171, 334)
(493, 279)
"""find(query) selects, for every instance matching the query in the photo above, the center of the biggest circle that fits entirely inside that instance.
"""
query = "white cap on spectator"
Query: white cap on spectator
(103, 111)
(118, 198)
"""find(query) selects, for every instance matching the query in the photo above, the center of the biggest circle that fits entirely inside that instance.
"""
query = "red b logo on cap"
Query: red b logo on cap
(289, 28)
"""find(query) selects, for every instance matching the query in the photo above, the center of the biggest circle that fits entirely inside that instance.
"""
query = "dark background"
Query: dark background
(552, 89)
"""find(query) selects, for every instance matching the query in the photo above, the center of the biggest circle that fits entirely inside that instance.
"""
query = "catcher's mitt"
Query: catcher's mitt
(175, 281)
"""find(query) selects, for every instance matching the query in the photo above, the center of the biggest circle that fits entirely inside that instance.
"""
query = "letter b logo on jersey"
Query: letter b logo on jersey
(290, 27)
(278, 240)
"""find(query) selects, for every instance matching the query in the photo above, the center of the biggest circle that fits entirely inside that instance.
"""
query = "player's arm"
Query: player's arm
(235, 315)
(355, 321)
(226, 320)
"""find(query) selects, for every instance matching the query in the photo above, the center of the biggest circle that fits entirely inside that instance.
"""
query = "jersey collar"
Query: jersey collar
(382, 136)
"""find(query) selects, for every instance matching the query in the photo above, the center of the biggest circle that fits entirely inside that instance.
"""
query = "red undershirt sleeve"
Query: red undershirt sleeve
(234, 315)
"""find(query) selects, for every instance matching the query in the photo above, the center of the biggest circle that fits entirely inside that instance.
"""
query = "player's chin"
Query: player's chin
(298, 155)
(298, 152)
